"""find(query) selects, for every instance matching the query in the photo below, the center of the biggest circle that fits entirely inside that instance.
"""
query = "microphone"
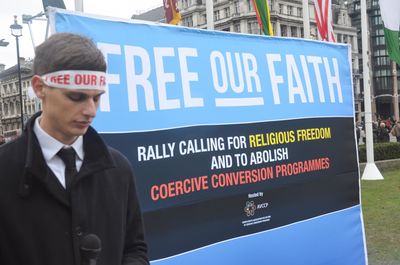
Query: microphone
(90, 249)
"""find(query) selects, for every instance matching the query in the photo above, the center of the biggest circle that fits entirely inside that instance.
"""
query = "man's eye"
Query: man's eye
(96, 98)
(76, 97)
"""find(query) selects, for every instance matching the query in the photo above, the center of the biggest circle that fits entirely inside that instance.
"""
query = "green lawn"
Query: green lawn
(381, 210)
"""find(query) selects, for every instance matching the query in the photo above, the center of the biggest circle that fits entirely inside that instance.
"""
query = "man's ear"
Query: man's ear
(38, 86)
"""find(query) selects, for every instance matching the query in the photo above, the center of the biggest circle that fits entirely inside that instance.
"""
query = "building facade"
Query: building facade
(10, 110)
(382, 74)
(286, 18)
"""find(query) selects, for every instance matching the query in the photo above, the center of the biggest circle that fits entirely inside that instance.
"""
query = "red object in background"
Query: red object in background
(172, 15)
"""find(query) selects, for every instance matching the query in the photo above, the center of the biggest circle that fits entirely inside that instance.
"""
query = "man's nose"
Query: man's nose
(90, 108)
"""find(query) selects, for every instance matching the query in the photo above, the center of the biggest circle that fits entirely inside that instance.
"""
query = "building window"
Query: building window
(227, 12)
(377, 20)
(236, 27)
(290, 10)
(253, 27)
(283, 30)
(217, 15)
(250, 6)
(380, 52)
(12, 109)
(187, 21)
(16, 87)
(293, 31)
(300, 12)
(339, 38)
(382, 61)
(5, 109)
(204, 18)
(280, 9)
(314, 33)
(379, 40)
(236, 7)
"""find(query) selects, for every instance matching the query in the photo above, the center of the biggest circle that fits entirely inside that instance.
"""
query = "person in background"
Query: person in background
(383, 133)
(358, 132)
(396, 131)
(375, 130)
(59, 181)
(388, 123)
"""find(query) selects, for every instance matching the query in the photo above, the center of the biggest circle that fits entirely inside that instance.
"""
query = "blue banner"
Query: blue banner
(243, 145)
(159, 72)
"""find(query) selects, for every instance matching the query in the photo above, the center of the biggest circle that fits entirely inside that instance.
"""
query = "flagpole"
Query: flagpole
(79, 5)
(210, 14)
(371, 172)
(395, 92)
(306, 20)
(330, 26)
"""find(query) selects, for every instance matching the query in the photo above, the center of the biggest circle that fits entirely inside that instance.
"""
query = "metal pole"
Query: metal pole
(371, 172)
(47, 30)
(306, 20)
(79, 5)
(395, 92)
(21, 103)
(210, 14)
(30, 32)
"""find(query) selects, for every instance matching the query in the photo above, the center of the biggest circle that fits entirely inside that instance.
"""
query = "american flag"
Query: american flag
(323, 15)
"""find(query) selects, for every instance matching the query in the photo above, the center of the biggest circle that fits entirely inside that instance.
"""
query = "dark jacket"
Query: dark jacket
(383, 135)
(41, 225)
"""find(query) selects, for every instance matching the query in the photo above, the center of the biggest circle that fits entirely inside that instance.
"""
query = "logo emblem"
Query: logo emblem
(250, 208)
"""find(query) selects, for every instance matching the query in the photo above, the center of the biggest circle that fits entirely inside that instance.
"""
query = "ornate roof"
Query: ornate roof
(26, 70)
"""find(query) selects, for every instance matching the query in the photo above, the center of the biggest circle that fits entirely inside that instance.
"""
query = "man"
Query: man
(48, 204)
(396, 131)
(383, 133)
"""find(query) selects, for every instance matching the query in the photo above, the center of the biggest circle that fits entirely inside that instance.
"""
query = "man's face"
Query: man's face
(67, 113)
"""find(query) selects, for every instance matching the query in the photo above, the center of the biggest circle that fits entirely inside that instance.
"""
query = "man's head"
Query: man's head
(69, 78)
(67, 51)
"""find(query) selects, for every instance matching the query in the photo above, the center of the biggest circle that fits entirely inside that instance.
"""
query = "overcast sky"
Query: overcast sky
(9, 8)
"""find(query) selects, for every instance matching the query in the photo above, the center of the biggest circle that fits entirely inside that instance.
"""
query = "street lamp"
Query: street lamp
(16, 31)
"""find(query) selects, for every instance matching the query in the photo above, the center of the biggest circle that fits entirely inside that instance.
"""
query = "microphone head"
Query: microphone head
(90, 246)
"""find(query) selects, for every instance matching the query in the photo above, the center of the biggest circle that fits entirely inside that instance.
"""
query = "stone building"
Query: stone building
(10, 110)
(382, 76)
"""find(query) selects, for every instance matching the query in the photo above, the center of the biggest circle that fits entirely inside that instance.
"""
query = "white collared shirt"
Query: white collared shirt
(50, 147)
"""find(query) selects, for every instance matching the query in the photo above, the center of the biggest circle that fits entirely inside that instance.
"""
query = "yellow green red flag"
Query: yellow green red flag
(263, 16)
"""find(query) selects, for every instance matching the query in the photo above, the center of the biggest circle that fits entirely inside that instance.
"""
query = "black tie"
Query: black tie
(68, 156)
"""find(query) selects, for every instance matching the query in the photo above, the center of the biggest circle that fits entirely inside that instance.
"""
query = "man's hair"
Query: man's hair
(67, 51)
